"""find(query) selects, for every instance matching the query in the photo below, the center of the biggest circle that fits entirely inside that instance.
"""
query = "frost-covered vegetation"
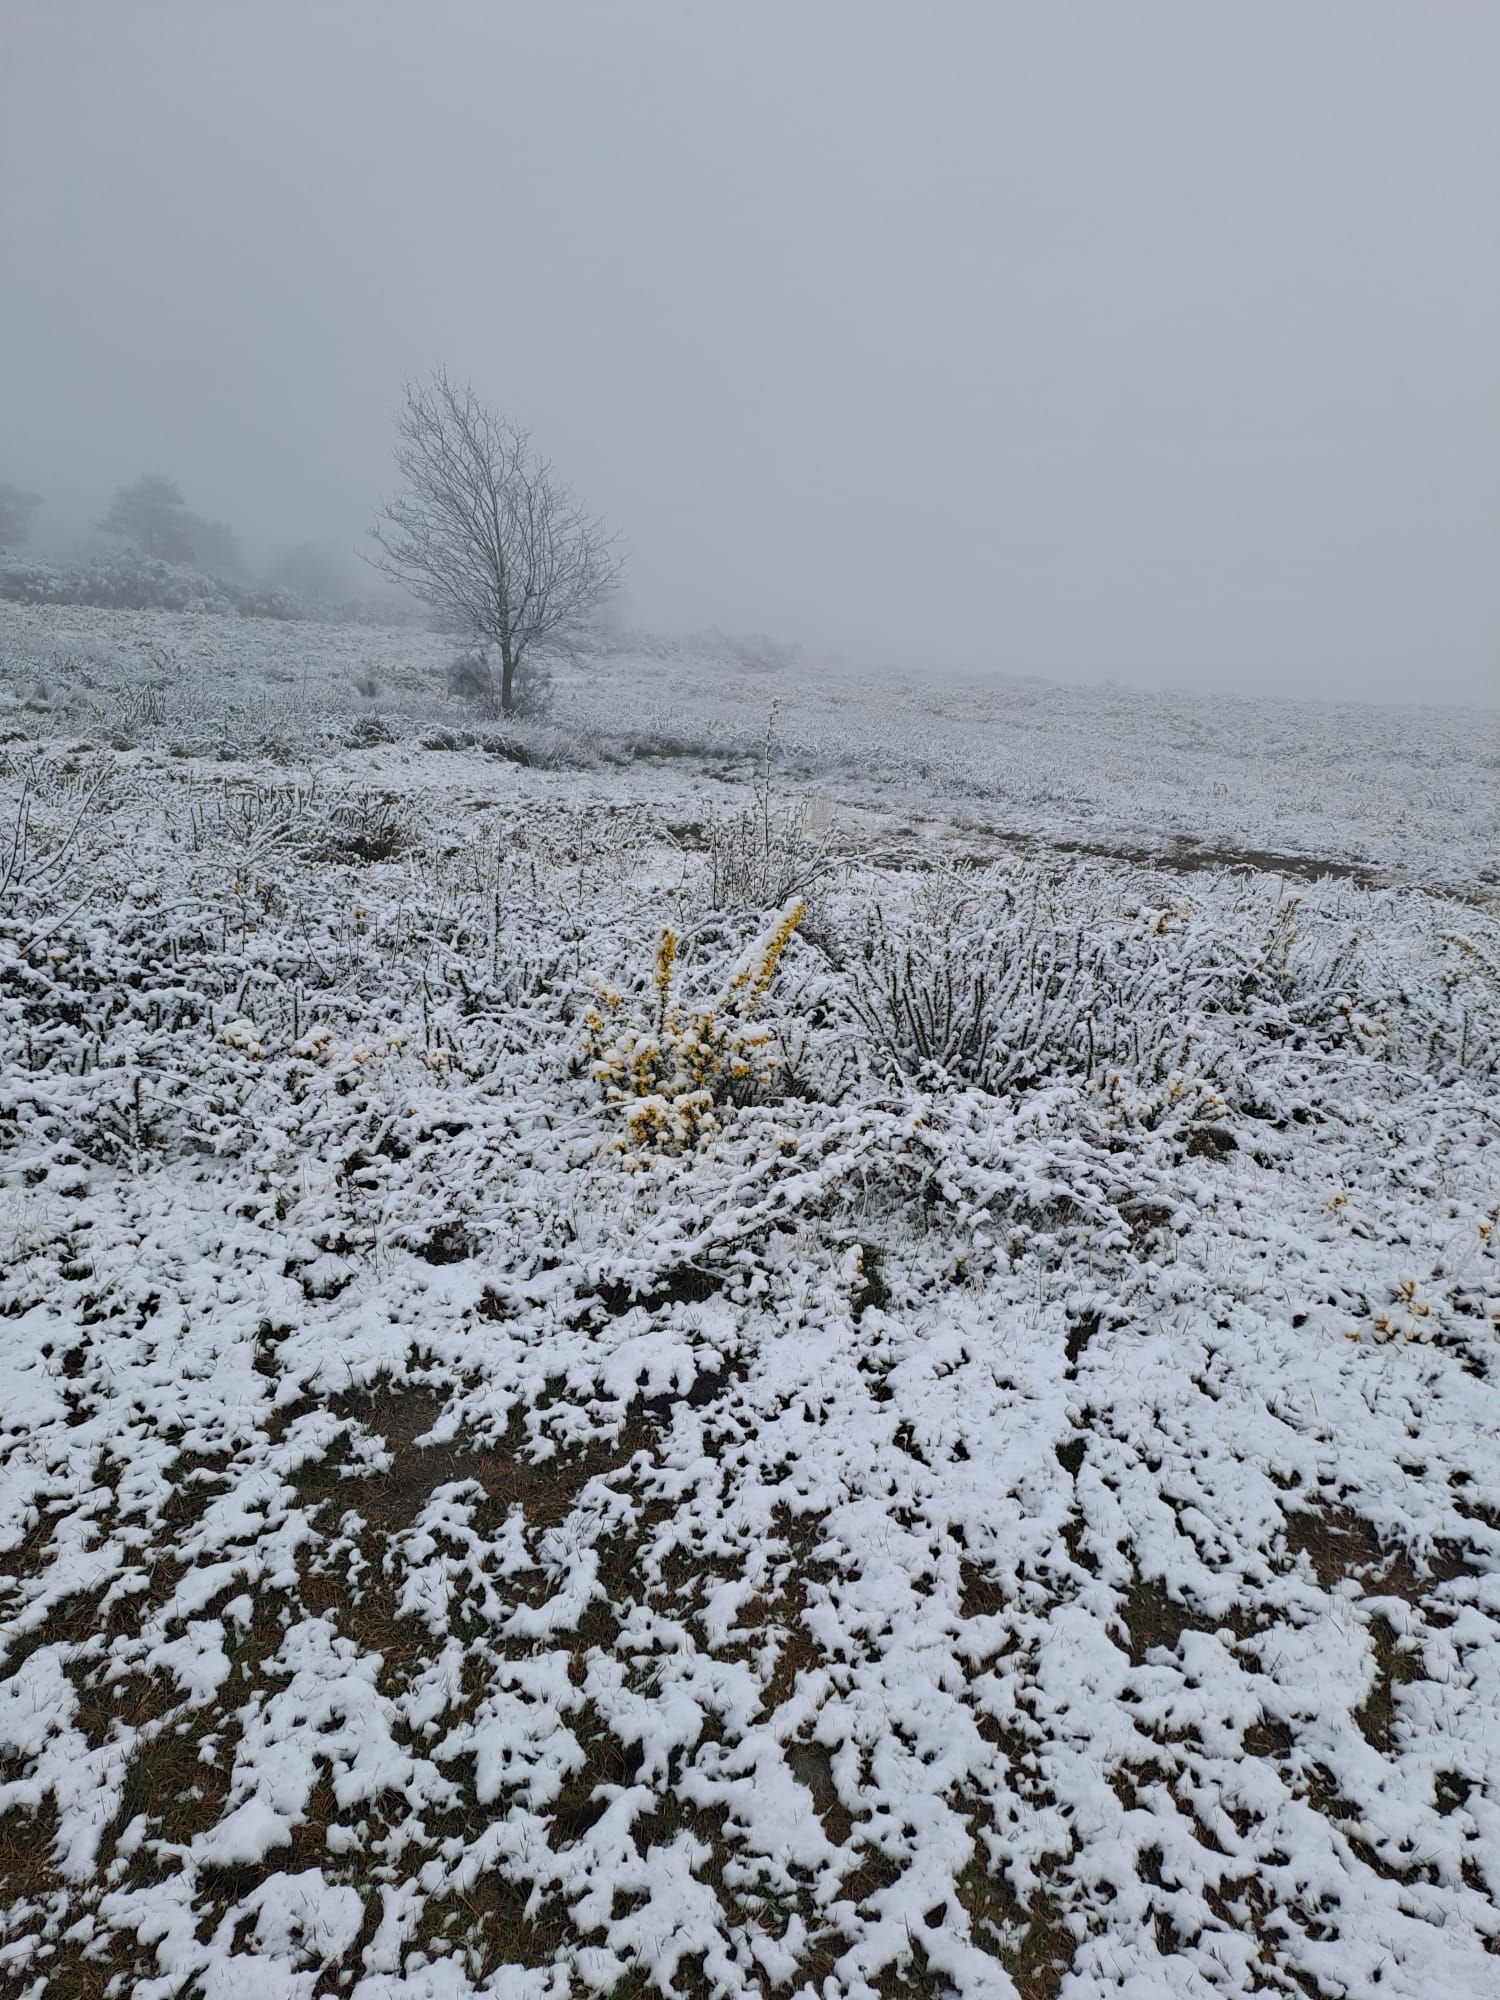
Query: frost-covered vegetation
(913, 762)
(132, 582)
(619, 1375)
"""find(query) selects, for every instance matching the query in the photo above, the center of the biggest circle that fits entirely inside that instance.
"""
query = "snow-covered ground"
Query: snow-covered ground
(1407, 794)
(1010, 1506)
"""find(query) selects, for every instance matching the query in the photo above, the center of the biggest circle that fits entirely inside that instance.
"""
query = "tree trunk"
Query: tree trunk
(507, 678)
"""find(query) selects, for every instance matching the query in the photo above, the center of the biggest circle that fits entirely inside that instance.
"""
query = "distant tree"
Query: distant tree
(153, 517)
(484, 531)
(16, 510)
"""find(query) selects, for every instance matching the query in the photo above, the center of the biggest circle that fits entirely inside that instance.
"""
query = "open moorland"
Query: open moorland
(660, 1351)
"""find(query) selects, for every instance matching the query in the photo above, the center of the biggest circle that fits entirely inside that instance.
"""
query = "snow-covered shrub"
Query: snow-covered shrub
(251, 817)
(43, 849)
(672, 1072)
(363, 826)
(762, 856)
(986, 986)
(532, 696)
(29, 580)
(469, 676)
(1472, 984)
(124, 582)
(766, 854)
(367, 732)
(1009, 984)
(1133, 1104)
(1301, 983)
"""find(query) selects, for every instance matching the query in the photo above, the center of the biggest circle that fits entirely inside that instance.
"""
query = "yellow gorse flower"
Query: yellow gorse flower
(670, 1077)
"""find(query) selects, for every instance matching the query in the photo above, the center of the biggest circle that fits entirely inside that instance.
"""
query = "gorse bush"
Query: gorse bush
(1005, 992)
(1010, 989)
(364, 827)
(673, 1071)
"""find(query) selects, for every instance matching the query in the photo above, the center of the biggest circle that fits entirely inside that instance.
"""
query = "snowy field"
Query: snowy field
(1393, 794)
(614, 1380)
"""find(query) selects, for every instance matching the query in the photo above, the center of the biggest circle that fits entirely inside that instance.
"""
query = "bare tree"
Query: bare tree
(485, 532)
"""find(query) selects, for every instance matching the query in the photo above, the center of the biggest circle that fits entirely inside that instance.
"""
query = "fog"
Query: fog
(1157, 343)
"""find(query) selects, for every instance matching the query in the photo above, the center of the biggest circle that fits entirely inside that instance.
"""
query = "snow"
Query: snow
(1025, 1522)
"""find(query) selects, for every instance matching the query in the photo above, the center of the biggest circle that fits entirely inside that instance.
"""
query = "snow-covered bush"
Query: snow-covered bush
(471, 677)
(762, 856)
(672, 1072)
(989, 985)
(765, 854)
(363, 826)
(140, 583)
(1010, 985)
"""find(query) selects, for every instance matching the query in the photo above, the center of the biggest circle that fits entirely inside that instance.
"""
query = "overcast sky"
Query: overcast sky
(1148, 341)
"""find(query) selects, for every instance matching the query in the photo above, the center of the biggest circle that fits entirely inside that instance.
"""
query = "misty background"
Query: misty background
(1158, 343)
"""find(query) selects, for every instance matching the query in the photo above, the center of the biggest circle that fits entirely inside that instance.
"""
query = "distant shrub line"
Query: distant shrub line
(140, 583)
